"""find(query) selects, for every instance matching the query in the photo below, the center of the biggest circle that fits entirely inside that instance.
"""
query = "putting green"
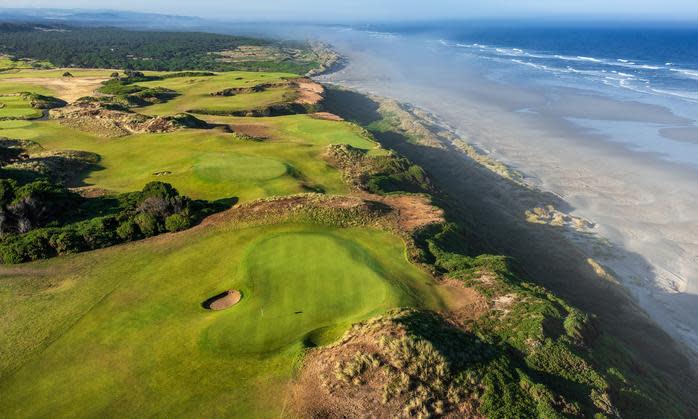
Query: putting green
(294, 284)
(224, 167)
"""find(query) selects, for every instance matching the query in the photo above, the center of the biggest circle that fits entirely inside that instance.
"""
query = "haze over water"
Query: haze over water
(603, 117)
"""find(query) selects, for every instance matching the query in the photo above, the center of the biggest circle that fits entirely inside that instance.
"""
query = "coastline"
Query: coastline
(489, 199)
(633, 227)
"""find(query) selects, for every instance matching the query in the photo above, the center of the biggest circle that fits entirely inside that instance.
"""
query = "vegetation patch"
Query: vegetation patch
(109, 119)
(379, 174)
(42, 220)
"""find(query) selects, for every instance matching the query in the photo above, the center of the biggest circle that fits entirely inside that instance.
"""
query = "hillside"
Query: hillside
(197, 242)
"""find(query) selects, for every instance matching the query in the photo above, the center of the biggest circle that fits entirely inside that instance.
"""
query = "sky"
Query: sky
(330, 10)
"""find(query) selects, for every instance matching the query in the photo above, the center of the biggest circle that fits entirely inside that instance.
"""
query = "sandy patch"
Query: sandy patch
(253, 130)
(463, 303)
(327, 116)
(309, 92)
(414, 211)
(504, 303)
(223, 301)
(67, 88)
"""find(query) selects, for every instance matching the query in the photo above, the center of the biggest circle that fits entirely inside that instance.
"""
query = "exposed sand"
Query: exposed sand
(69, 89)
(327, 116)
(223, 301)
(309, 92)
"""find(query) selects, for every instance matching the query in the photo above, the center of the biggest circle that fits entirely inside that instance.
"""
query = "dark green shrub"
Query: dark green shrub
(147, 223)
(7, 190)
(65, 242)
(177, 222)
(98, 232)
(34, 246)
(158, 190)
(128, 230)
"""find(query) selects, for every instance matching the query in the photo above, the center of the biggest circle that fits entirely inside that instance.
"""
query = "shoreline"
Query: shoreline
(584, 193)
(566, 267)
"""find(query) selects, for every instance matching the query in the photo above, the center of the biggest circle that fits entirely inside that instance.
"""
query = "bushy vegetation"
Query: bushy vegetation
(39, 218)
(66, 46)
(124, 91)
(380, 174)
(558, 365)
(43, 102)
(32, 205)
(530, 354)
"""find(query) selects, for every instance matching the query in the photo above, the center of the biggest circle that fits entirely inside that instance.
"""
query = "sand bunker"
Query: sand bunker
(223, 301)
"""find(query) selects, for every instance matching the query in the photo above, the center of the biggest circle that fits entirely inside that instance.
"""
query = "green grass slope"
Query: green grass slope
(121, 332)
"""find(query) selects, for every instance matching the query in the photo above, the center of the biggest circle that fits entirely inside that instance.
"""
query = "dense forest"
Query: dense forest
(67, 46)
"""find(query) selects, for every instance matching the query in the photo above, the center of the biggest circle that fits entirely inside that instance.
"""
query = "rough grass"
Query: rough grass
(53, 74)
(18, 87)
(121, 332)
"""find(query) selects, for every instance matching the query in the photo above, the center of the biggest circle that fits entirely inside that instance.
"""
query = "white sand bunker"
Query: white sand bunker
(223, 301)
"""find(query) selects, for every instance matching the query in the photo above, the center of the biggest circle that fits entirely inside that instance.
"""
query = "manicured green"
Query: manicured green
(121, 332)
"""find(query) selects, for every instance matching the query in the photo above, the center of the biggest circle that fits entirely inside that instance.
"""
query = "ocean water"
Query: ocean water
(654, 59)
(652, 64)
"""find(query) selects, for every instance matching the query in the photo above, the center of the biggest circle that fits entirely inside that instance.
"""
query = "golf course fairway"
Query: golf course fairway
(121, 331)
